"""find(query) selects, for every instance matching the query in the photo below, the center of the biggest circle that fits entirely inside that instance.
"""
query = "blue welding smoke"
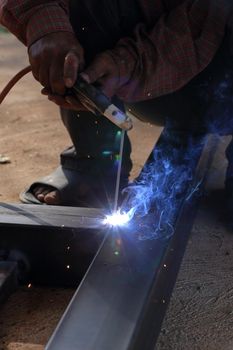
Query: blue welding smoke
(166, 181)
(220, 112)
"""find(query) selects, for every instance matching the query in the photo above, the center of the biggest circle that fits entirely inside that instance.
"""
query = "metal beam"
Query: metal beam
(30, 215)
(121, 302)
(52, 245)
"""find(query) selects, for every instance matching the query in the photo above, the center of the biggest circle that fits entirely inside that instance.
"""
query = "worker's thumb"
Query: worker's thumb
(95, 71)
(71, 68)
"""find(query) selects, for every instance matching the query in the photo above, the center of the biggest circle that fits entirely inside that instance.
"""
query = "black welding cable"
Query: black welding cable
(13, 81)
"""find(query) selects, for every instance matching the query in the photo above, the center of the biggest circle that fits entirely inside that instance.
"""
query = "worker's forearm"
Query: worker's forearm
(30, 21)
(182, 44)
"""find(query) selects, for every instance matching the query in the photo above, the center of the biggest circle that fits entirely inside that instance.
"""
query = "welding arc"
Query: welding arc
(13, 81)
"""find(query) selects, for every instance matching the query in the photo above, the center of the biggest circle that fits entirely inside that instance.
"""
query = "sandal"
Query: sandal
(75, 188)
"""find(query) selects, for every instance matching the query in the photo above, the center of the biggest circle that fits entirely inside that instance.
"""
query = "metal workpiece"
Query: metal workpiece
(121, 302)
(52, 245)
(51, 216)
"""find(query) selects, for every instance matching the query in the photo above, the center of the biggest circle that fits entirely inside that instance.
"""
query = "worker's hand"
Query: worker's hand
(56, 60)
(104, 71)
(67, 102)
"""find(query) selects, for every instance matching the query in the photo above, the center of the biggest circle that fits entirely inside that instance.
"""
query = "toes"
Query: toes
(42, 190)
(40, 197)
(46, 194)
(39, 192)
(52, 198)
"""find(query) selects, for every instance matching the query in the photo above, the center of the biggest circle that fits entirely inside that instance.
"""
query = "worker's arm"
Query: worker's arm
(150, 63)
(30, 20)
(55, 54)
(163, 59)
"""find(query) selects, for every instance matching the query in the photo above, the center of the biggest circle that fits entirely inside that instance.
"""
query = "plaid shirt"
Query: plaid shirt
(177, 41)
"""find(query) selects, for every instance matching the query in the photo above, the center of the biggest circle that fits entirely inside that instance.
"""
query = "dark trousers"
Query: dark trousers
(204, 105)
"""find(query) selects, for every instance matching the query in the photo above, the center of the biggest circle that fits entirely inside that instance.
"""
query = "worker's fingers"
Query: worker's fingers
(68, 102)
(58, 100)
(44, 76)
(103, 70)
(108, 85)
(96, 70)
(71, 67)
(34, 62)
(50, 51)
(75, 104)
(56, 81)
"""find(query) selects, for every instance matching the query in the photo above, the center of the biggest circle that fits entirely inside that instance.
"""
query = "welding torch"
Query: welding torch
(95, 101)
(89, 96)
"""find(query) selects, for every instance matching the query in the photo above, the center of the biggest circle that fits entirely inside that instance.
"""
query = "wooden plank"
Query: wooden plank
(47, 216)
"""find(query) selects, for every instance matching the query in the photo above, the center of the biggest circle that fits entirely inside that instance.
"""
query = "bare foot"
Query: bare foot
(47, 194)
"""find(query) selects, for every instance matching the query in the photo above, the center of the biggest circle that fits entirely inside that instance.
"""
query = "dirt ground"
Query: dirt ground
(200, 314)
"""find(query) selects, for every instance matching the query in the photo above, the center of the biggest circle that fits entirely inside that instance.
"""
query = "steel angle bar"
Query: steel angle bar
(122, 299)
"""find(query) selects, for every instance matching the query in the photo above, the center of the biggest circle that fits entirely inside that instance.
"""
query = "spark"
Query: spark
(29, 285)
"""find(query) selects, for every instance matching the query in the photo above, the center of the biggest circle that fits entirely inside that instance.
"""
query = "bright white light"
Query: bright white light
(117, 219)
